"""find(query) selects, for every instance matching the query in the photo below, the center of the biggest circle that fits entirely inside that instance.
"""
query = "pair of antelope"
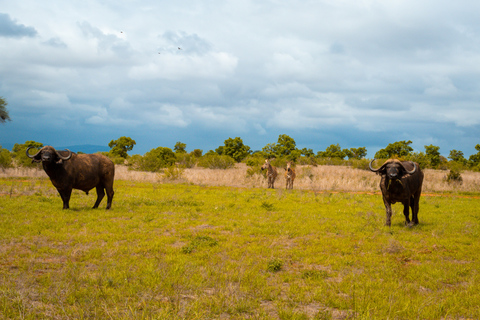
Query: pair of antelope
(272, 174)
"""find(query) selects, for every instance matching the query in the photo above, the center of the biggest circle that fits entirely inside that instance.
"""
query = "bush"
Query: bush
(275, 265)
(134, 161)
(254, 170)
(173, 173)
(454, 176)
(215, 161)
(185, 160)
(20, 156)
(361, 164)
(5, 158)
(158, 158)
(255, 160)
(311, 161)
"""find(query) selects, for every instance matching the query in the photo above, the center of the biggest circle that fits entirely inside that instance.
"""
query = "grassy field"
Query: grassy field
(206, 251)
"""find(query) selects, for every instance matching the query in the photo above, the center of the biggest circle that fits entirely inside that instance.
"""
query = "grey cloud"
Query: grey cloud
(11, 29)
(55, 42)
(106, 42)
(189, 43)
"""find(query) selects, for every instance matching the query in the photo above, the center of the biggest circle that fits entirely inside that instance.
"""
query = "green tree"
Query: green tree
(395, 150)
(285, 145)
(333, 151)
(180, 147)
(157, 159)
(433, 155)
(474, 159)
(457, 156)
(269, 151)
(236, 149)
(5, 158)
(355, 153)
(307, 152)
(20, 155)
(197, 153)
(3, 111)
(121, 146)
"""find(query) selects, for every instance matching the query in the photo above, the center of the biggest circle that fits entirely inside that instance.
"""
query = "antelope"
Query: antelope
(289, 175)
(271, 173)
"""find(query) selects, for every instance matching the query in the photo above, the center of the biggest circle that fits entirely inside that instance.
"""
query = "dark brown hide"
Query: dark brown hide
(401, 182)
(68, 170)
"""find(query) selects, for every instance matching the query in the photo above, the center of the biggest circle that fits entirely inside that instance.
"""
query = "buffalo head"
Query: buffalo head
(48, 155)
(393, 169)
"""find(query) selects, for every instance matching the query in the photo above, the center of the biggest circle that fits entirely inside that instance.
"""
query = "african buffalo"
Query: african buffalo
(401, 182)
(68, 170)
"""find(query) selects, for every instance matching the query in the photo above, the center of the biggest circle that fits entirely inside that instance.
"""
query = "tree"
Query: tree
(269, 151)
(197, 153)
(180, 147)
(5, 158)
(307, 152)
(285, 145)
(395, 150)
(3, 111)
(355, 153)
(121, 146)
(333, 151)
(457, 156)
(474, 159)
(235, 149)
(157, 158)
(433, 155)
(19, 152)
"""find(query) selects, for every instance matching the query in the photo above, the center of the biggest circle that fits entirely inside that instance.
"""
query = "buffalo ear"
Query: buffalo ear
(37, 158)
(59, 161)
(382, 171)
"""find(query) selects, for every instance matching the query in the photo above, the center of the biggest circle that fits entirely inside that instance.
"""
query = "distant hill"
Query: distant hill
(85, 148)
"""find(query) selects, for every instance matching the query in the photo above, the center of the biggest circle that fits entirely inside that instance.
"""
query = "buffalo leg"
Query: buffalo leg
(109, 196)
(406, 212)
(414, 203)
(65, 195)
(388, 209)
(100, 195)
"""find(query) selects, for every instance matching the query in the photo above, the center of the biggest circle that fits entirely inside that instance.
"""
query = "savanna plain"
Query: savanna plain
(216, 244)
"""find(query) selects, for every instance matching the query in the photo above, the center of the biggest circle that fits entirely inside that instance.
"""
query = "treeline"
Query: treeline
(234, 151)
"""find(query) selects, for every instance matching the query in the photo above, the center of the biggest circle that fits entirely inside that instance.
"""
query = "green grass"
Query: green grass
(169, 251)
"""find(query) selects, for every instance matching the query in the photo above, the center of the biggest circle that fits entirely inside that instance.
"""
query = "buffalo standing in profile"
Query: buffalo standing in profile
(401, 182)
(68, 170)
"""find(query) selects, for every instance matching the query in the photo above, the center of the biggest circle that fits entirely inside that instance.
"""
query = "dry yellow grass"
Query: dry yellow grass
(320, 178)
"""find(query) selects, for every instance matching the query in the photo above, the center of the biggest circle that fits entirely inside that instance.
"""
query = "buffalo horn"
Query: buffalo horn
(370, 166)
(414, 168)
(29, 155)
(62, 157)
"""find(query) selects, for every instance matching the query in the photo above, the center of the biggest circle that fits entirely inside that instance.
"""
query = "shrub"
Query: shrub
(134, 161)
(5, 158)
(158, 158)
(254, 160)
(254, 170)
(215, 161)
(361, 164)
(454, 176)
(173, 173)
(20, 156)
(275, 265)
(186, 160)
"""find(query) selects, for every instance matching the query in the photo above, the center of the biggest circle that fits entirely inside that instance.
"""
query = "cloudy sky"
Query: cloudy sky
(360, 73)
